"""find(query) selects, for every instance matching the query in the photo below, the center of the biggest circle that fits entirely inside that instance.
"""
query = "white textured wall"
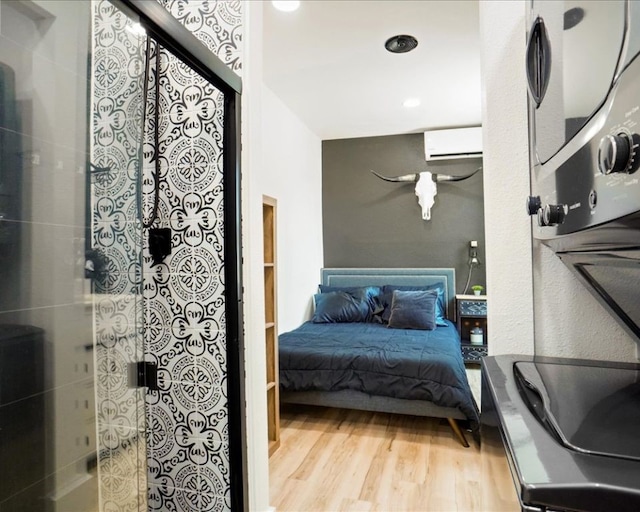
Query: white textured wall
(569, 321)
(506, 177)
(255, 362)
(292, 165)
(281, 158)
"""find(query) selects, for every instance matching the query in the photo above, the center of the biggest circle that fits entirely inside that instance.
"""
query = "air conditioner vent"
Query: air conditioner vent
(453, 143)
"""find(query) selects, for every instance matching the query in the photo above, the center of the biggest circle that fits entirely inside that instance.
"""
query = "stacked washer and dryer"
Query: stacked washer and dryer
(571, 428)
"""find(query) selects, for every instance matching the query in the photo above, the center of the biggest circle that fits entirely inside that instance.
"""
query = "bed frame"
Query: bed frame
(362, 401)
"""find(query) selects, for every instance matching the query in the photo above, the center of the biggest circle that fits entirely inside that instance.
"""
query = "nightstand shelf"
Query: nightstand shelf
(471, 311)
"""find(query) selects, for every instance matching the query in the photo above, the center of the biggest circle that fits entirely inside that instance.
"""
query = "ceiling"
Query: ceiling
(327, 62)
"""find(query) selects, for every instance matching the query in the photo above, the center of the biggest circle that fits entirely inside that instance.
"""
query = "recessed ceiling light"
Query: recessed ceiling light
(286, 5)
(411, 102)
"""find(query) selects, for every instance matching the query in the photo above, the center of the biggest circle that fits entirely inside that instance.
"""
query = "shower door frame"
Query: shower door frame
(164, 28)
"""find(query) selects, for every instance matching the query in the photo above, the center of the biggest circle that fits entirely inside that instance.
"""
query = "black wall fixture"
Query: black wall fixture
(159, 244)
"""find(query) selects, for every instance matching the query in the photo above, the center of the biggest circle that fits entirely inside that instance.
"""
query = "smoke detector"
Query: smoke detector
(401, 43)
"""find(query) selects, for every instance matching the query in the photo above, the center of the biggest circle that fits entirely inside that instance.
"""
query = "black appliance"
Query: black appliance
(585, 146)
(570, 427)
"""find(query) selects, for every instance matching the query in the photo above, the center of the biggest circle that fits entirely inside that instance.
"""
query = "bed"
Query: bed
(373, 365)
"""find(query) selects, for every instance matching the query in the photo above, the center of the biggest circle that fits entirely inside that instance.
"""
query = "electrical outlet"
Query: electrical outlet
(473, 253)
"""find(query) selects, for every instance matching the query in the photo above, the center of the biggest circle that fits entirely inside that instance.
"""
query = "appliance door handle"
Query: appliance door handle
(538, 60)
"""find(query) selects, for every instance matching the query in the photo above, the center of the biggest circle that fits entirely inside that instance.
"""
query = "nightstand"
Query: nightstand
(471, 312)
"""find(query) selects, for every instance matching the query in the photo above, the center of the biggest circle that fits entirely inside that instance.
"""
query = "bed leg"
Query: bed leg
(458, 432)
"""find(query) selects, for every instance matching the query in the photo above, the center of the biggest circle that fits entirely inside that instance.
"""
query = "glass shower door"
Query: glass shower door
(118, 112)
(192, 283)
(72, 429)
(76, 105)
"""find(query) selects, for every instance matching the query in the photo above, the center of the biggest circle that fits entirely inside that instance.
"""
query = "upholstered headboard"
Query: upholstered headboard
(397, 276)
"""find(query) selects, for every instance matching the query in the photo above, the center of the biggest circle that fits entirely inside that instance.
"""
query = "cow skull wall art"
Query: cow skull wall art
(426, 188)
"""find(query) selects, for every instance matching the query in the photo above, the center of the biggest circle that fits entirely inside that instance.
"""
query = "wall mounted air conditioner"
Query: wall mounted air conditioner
(453, 143)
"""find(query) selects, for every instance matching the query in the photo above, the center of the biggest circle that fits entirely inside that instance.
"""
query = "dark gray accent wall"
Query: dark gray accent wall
(368, 222)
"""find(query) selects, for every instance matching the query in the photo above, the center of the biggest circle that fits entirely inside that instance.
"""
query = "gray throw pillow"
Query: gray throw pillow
(413, 310)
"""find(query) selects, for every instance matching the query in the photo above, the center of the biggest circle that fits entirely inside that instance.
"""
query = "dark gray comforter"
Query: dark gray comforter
(372, 358)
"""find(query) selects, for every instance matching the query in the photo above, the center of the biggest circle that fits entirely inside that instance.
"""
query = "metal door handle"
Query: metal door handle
(538, 60)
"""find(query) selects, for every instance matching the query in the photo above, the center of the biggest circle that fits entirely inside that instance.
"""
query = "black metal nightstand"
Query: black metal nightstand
(471, 312)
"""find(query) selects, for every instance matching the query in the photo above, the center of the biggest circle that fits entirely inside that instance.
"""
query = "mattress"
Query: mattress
(374, 359)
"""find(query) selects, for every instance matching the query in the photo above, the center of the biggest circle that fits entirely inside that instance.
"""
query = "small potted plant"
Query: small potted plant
(477, 289)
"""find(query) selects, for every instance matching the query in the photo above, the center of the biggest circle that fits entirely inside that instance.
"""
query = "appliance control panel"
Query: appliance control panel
(595, 178)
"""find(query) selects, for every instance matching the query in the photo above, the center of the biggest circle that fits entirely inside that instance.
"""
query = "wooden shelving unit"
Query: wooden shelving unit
(269, 207)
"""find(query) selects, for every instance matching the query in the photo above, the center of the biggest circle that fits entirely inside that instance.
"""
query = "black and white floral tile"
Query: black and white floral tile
(187, 452)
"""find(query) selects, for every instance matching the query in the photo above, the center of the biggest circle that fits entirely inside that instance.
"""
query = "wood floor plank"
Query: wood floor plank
(337, 460)
(350, 505)
(327, 481)
(289, 494)
(365, 436)
(299, 433)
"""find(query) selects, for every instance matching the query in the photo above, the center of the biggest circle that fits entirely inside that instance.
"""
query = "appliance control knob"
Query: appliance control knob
(614, 153)
(552, 214)
(533, 204)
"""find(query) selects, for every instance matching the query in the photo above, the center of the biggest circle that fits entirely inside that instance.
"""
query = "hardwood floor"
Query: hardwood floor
(346, 460)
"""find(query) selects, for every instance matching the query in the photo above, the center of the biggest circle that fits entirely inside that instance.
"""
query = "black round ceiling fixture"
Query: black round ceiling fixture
(401, 44)
(572, 17)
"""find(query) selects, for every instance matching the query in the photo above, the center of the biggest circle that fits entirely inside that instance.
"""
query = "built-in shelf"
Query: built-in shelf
(269, 206)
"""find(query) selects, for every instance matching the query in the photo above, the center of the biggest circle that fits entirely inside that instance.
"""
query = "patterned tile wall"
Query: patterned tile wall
(184, 323)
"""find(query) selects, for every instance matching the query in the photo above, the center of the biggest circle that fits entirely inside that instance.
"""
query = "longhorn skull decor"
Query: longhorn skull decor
(426, 189)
